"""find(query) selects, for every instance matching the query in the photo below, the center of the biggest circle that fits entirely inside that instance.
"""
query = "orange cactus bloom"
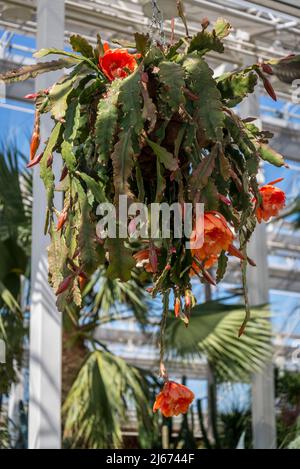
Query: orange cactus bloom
(217, 237)
(117, 63)
(143, 257)
(273, 200)
(174, 399)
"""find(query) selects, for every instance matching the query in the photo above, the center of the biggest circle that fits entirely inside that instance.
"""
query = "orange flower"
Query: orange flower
(177, 307)
(148, 259)
(217, 237)
(117, 63)
(273, 200)
(174, 399)
(61, 220)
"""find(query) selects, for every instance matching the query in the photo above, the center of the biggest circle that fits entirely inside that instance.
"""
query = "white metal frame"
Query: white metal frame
(45, 320)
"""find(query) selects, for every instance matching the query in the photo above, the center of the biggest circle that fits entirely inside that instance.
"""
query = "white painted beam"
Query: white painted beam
(45, 320)
(263, 400)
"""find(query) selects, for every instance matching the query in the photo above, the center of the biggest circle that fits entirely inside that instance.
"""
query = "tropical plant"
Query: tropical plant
(97, 404)
(230, 425)
(15, 239)
(215, 335)
(295, 444)
(153, 126)
(288, 403)
(15, 226)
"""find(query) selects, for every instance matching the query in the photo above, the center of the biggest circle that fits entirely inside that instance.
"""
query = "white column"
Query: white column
(45, 320)
(263, 398)
(263, 394)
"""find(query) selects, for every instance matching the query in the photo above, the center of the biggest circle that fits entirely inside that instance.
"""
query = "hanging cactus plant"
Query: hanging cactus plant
(154, 125)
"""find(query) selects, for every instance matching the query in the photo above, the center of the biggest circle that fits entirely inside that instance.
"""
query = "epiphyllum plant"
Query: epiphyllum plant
(156, 126)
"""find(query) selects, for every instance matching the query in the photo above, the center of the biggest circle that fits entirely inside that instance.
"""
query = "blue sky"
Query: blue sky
(16, 126)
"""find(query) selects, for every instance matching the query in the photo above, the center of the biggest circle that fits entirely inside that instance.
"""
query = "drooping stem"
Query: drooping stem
(181, 14)
(162, 368)
(245, 291)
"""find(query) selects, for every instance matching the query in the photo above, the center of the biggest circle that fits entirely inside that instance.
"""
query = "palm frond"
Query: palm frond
(107, 297)
(213, 332)
(12, 332)
(95, 408)
(293, 210)
(8, 299)
(15, 198)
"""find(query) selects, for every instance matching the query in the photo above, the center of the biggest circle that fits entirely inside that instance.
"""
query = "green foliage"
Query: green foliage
(32, 71)
(295, 444)
(222, 28)
(106, 123)
(204, 42)
(104, 296)
(234, 87)
(86, 239)
(222, 266)
(213, 331)
(163, 156)
(72, 120)
(72, 57)
(200, 176)
(57, 256)
(15, 244)
(270, 155)
(46, 170)
(131, 103)
(59, 95)
(81, 45)
(288, 386)
(162, 132)
(287, 391)
(171, 77)
(12, 332)
(95, 407)
(201, 82)
(121, 261)
(142, 42)
(15, 201)
(68, 156)
(122, 159)
(95, 187)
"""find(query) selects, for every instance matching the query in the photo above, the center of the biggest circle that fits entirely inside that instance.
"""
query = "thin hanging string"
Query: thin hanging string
(162, 368)
(157, 32)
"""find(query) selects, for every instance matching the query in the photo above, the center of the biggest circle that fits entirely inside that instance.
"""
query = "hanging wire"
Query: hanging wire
(157, 32)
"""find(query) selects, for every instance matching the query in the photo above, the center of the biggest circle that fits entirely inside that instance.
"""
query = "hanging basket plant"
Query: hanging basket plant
(153, 124)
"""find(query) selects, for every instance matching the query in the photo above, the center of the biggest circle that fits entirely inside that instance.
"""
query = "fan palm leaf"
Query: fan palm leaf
(107, 298)
(15, 196)
(213, 333)
(15, 226)
(95, 408)
(15, 235)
